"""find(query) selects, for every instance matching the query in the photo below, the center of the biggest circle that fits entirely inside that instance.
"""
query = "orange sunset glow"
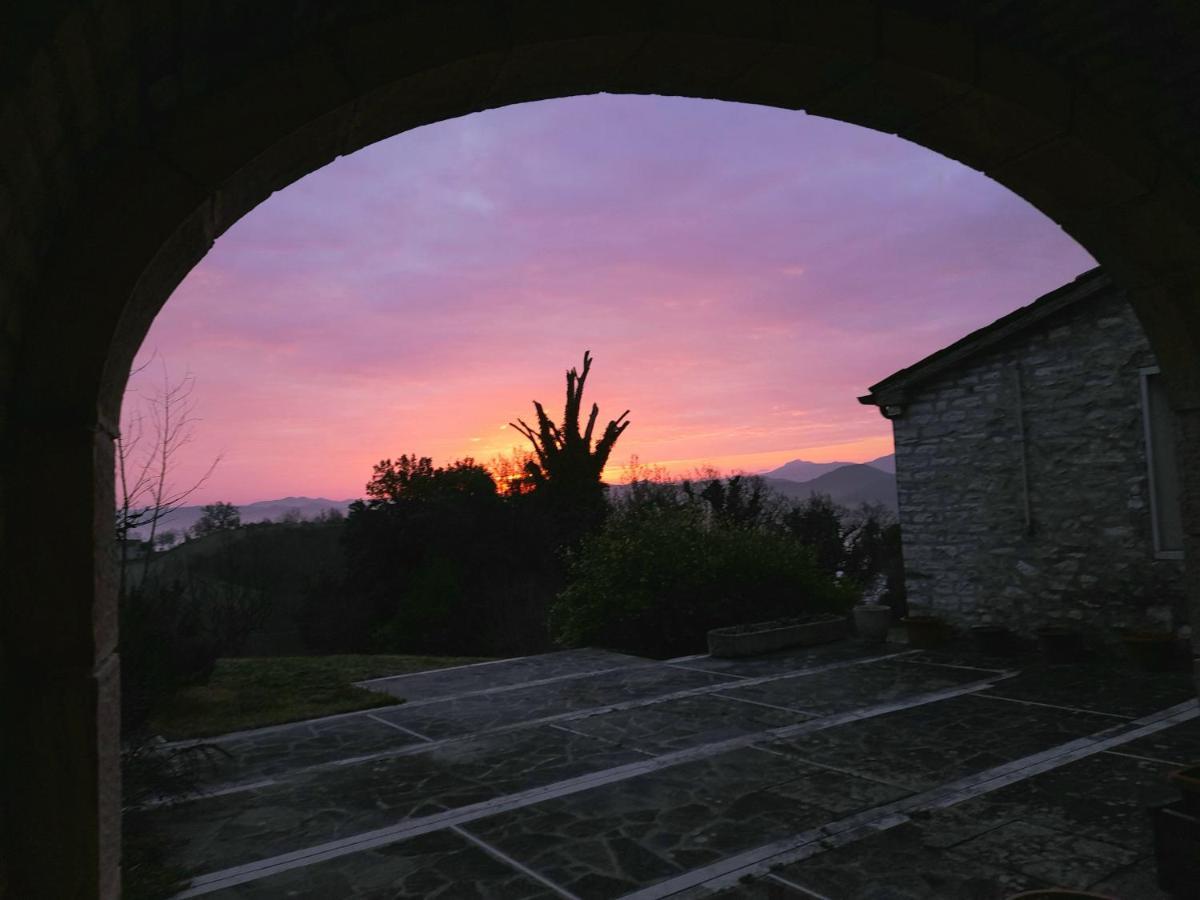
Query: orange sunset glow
(740, 274)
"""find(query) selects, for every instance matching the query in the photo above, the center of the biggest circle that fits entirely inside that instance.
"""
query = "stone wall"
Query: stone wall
(1075, 544)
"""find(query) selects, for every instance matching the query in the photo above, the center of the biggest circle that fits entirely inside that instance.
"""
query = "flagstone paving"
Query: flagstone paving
(835, 771)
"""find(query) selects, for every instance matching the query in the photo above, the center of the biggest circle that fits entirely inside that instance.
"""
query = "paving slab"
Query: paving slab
(685, 722)
(1178, 746)
(279, 750)
(462, 715)
(441, 864)
(1103, 798)
(618, 837)
(216, 832)
(895, 865)
(499, 673)
(826, 693)
(1137, 881)
(792, 659)
(1113, 689)
(271, 752)
(681, 777)
(935, 743)
(1056, 857)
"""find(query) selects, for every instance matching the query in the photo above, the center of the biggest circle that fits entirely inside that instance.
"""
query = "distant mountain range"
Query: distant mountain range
(803, 470)
(185, 517)
(847, 484)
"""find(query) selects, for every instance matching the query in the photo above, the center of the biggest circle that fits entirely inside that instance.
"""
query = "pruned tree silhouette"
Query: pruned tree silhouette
(565, 456)
(567, 467)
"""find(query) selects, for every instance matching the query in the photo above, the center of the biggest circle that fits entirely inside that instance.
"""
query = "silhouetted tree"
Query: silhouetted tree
(510, 473)
(566, 469)
(147, 450)
(416, 478)
(817, 523)
(873, 549)
(739, 501)
(217, 517)
(433, 559)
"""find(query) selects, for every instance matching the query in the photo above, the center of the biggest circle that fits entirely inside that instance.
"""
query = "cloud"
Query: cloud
(726, 264)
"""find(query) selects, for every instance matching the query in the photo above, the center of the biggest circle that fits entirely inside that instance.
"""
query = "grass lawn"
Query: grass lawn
(257, 691)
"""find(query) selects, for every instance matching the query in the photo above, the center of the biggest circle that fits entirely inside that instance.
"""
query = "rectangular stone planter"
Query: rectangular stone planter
(763, 637)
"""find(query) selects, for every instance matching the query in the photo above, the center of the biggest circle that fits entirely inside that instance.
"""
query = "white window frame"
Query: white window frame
(1144, 374)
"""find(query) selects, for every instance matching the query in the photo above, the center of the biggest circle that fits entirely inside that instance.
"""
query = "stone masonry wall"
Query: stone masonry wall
(1087, 557)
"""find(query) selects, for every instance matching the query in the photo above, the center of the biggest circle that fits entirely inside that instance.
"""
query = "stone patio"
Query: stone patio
(841, 771)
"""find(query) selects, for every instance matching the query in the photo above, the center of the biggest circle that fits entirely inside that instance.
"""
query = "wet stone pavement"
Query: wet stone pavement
(842, 771)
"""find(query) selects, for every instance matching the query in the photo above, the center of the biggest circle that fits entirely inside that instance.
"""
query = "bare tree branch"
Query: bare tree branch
(144, 471)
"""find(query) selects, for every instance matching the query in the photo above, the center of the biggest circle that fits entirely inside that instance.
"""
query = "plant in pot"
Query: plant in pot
(871, 622)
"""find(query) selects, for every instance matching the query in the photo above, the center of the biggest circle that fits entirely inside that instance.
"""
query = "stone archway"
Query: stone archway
(133, 135)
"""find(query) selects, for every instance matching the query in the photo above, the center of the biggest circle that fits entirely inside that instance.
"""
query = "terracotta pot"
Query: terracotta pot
(992, 640)
(871, 622)
(925, 632)
(1060, 645)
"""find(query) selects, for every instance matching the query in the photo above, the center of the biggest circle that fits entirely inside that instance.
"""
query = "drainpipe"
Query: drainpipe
(1023, 445)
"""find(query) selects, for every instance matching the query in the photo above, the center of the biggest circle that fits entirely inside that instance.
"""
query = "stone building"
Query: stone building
(1035, 466)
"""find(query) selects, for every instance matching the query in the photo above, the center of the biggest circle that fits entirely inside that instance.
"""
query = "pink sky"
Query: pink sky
(741, 274)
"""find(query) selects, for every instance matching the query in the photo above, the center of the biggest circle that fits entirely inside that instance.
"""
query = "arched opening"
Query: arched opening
(119, 192)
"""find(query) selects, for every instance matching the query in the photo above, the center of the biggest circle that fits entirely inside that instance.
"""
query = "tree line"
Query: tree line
(519, 556)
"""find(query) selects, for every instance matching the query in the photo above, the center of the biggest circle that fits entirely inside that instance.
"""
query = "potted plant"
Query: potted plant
(1060, 644)
(871, 622)
(925, 632)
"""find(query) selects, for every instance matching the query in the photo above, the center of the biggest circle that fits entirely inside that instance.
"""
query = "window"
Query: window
(1159, 422)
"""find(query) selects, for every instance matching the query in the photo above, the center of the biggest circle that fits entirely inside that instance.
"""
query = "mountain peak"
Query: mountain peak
(803, 470)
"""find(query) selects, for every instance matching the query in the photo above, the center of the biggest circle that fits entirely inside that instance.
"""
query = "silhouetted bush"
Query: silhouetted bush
(739, 501)
(260, 575)
(438, 562)
(873, 550)
(661, 573)
(817, 523)
(167, 643)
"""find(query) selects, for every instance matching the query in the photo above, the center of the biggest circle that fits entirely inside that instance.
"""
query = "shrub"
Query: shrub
(739, 501)
(438, 562)
(873, 551)
(656, 578)
(817, 523)
(166, 644)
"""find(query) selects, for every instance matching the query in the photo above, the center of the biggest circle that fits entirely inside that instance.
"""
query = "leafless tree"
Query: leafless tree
(148, 451)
